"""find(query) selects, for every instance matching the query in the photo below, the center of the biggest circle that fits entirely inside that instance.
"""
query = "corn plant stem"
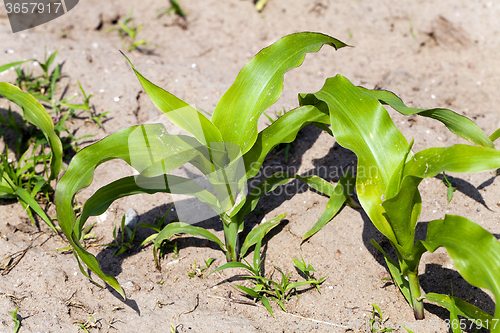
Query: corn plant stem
(418, 305)
(231, 238)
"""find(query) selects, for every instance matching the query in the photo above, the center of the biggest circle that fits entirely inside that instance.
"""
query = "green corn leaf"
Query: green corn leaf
(232, 264)
(454, 322)
(261, 82)
(266, 303)
(474, 251)
(268, 185)
(179, 112)
(31, 203)
(36, 114)
(99, 202)
(463, 308)
(258, 233)
(362, 125)
(154, 153)
(457, 158)
(493, 137)
(403, 212)
(403, 208)
(299, 284)
(184, 228)
(337, 199)
(248, 291)
(458, 124)
(149, 239)
(12, 64)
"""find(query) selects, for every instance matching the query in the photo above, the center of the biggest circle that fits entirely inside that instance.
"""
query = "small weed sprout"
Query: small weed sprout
(175, 8)
(17, 322)
(266, 289)
(450, 189)
(127, 238)
(377, 322)
(159, 250)
(90, 109)
(306, 270)
(198, 270)
(128, 32)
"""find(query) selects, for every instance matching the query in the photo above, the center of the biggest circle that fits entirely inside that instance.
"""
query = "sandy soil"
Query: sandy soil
(431, 53)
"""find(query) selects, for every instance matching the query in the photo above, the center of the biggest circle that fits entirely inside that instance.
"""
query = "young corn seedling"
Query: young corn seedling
(387, 179)
(227, 149)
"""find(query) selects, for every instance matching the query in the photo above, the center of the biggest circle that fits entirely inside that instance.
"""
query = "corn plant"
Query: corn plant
(21, 181)
(227, 149)
(387, 179)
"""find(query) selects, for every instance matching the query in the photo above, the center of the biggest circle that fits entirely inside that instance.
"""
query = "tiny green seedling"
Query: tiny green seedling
(306, 270)
(17, 322)
(450, 187)
(159, 250)
(128, 32)
(198, 270)
(175, 8)
(82, 327)
(377, 322)
(266, 289)
(127, 238)
(90, 109)
(88, 324)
